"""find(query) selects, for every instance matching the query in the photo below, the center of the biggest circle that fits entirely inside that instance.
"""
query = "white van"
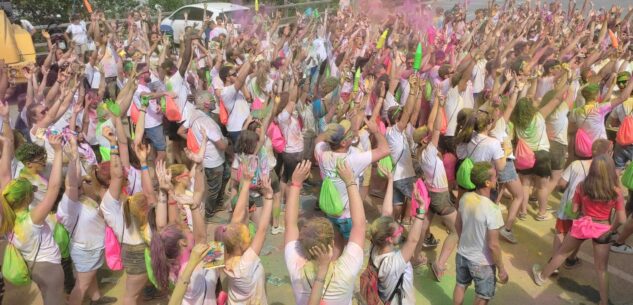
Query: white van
(175, 23)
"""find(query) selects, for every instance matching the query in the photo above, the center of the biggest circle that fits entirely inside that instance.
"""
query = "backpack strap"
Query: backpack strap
(398, 289)
(39, 245)
(473, 151)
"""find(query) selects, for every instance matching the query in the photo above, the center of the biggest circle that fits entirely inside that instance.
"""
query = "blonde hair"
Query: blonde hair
(18, 193)
(135, 208)
(316, 231)
(236, 236)
(176, 170)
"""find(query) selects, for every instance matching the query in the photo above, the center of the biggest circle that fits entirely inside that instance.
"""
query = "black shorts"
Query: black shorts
(171, 130)
(542, 167)
(290, 160)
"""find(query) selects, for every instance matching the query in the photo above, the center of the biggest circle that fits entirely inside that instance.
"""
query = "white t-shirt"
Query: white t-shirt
(575, 173)
(433, 168)
(27, 237)
(154, 114)
(201, 288)
(481, 148)
(86, 221)
(112, 210)
(557, 124)
(290, 127)
(399, 147)
(180, 88)
(79, 32)
(236, 107)
(593, 122)
(454, 104)
(339, 283)
(391, 266)
(357, 160)
(202, 123)
(535, 135)
(478, 215)
(247, 282)
(479, 75)
(544, 85)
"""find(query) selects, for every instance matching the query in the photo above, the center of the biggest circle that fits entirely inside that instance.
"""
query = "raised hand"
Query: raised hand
(164, 176)
(301, 173)
(323, 255)
(56, 142)
(345, 172)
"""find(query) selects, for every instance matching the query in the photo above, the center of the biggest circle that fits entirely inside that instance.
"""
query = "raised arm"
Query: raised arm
(7, 145)
(357, 235)
(146, 181)
(387, 203)
(240, 212)
(301, 173)
(40, 212)
(408, 249)
(116, 170)
(382, 147)
(73, 175)
(262, 226)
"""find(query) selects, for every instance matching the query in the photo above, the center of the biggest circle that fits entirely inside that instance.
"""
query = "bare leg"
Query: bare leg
(276, 209)
(627, 230)
(458, 294)
(526, 182)
(567, 248)
(600, 261)
(480, 301)
(133, 287)
(451, 240)
(516, 190)
(541, 194)
(82, 284)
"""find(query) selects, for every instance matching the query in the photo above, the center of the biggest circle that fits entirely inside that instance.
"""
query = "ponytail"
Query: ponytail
(159, 261)
(8, 217)
(465, 131)
(15, 193)
(164, 247)
(127, 215)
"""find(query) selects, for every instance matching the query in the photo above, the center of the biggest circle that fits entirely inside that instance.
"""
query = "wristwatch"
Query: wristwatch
(420, 211)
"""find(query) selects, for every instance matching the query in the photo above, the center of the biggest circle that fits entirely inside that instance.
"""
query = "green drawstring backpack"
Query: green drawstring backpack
(150, 270)
(62, 239)
(463, 172)
(387, 163)
(329, 199)
(14, 268)
(627, 176)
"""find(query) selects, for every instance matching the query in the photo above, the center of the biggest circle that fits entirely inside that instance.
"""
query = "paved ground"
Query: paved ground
(570, 287)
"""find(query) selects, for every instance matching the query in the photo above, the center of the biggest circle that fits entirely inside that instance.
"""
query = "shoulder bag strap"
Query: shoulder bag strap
(398, 289)
(72, 233)
(472, 152)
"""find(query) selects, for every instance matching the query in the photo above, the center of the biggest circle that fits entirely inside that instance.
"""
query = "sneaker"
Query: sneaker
(277, 230)
(571, 263)
(544, 217)
(430, 242)
(522, 216)
(621, 248)
(536, 275)
(508, 235)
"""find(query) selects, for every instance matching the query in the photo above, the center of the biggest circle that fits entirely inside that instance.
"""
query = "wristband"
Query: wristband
(268, 198)
(351, 184)
(173, 202)
(297, 185)
(420, 211)
(418, 217)
(143, 110)
(114, 147)
(114, 153)
(144, 168)
(319, 281)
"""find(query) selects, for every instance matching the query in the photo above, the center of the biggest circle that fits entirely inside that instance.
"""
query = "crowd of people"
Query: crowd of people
(126, 145)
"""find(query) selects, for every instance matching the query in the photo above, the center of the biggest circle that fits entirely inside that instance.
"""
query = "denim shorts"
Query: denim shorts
(86, 260)
(622, 155)
(344, 225)
(402, 189)
(484, 276)
(509, 173)
(156, 136)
